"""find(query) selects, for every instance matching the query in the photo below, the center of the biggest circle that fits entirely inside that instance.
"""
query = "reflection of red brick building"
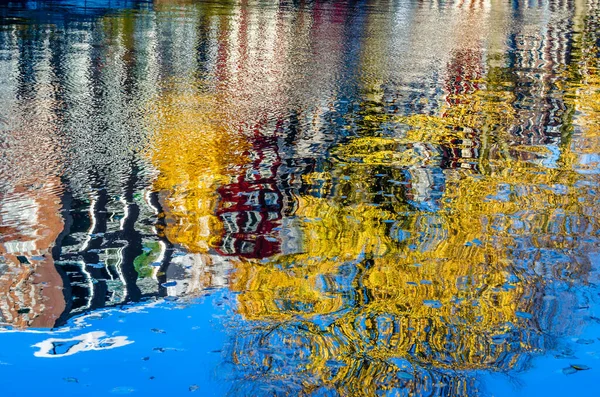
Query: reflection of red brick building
(250, 208)
(464, 73)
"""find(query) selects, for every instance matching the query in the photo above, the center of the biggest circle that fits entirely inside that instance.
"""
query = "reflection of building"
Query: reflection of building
(463, 81)
(30, 286)
(108, 252)
(539, 52)
(193, 274)
(30, 189)
(107, 257)
(251, 207)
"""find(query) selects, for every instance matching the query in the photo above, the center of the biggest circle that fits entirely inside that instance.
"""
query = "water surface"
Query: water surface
(294, 198)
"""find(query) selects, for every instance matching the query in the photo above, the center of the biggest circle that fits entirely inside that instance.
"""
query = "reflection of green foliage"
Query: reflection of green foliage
(143, 261)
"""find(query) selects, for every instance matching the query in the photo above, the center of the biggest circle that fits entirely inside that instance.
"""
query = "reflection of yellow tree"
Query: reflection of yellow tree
(437, 265)
(194, 153)
(333, 234)
(458, 289)
(470, 282)
(584, 87)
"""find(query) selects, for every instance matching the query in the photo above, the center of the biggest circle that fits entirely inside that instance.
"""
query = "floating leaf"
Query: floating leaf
(580, 367)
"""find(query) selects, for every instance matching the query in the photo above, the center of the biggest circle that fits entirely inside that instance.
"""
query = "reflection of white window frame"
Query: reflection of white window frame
(265, 171)
(230, 221)
(16, 247)
(253, 221)
(22, 211)
(88, 237)
(89, 283)
(228, 245)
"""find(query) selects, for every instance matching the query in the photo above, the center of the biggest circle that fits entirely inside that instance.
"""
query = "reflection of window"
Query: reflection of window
(271, 198)
(254, 155)
(110, 256)
(265, 171)
(247, 247)
(253, 199)
(252, 222)
(12, 247)
(228, 245)
(230, 222)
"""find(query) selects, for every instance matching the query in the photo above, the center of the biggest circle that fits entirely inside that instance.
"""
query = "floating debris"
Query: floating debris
(567, 353)
(524, 315)
(573, 368)
(122, 390)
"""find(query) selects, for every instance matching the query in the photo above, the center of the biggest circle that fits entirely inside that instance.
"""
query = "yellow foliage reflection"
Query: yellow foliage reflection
(450, 266)
(194, 153)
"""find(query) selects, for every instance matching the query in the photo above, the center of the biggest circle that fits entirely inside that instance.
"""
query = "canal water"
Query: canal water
(300, 198)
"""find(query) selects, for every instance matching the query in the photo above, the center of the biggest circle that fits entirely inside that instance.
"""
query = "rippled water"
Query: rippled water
(260, 198)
